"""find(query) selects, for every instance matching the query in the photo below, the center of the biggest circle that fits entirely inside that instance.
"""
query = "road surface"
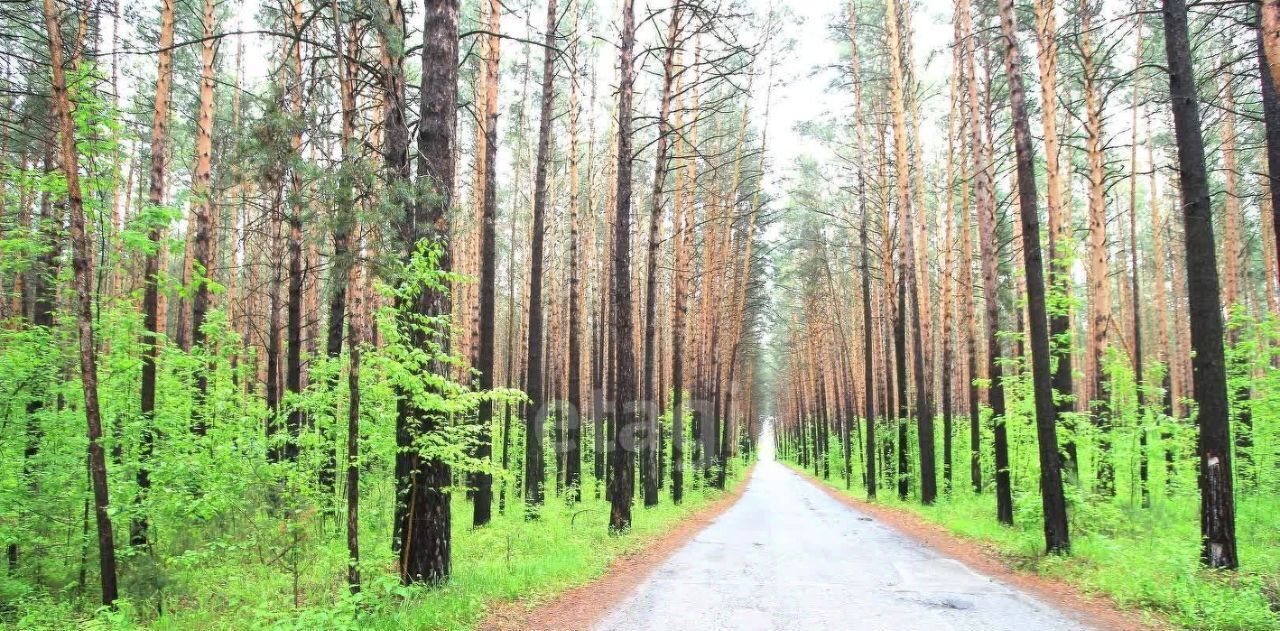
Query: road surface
(789, 556)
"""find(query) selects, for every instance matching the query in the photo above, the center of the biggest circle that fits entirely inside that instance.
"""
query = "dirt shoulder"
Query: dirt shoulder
(581, 607)
(1098, 611)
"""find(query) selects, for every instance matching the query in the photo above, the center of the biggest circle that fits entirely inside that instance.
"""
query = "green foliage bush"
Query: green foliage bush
(238, 541)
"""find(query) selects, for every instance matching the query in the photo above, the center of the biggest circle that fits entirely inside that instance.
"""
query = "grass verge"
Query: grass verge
(511, 560)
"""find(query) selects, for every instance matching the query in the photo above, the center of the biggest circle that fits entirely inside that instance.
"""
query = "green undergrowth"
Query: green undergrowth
(509, 560)
(1145, 559)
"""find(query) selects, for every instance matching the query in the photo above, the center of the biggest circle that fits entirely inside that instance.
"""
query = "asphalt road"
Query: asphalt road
(788, 556)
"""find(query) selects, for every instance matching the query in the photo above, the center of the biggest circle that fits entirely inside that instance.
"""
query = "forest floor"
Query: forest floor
(790, 554)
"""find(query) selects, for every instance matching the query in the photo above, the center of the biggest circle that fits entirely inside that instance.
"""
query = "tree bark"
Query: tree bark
(534, 467)
(343, 226)
(1217, 502)
(293, 352)
(1269, 70)
(487, 364)
(1164, 332)
(990, 280)
(683, 235)
(83, 308)
(622, 458)
(425, 553)
(924, 408)
(868, 378)
(900, 367)
(948, 299)
(275, 221)
(151, 268)
(573, 471)
(968, 303)
(649, 461)
(1052, 499)
(1059, 231)
(395, 153)
(1098, 272)
(1136, 295)
(353, 439)
(202, 250)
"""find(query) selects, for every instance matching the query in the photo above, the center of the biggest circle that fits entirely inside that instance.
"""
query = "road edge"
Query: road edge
(580, 608)
(1096, 610)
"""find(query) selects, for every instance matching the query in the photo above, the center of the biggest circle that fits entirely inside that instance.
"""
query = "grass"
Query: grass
(1145, 559)
(249, 581)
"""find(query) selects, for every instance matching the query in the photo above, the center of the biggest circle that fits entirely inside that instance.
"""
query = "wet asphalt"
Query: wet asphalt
(789, 556)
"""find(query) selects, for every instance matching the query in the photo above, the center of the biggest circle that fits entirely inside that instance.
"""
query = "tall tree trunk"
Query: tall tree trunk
(968, 303)
(151, 268)
(84, 307)
(294, 324)
(682, 233)
(275, 230)
(887, 335)
(985, 205)
(513, 324)
(1164, 332)
(1269, 69)
(346, 275)
(622, 458)
(598, 368)
(236, 232)
(1052, 499)
(1059, 231)
(573, 472)
(924, 409)
(948, 299)
(343, 226)
(202, 250)
(1271, 121)
(425, 553)
(1180, 354)
(1136, 296)
(534, 468)
(1270, 279)
(395, 152)
(1232, 252)
(868, 378)
(1217, 501)
(900, 365)
(648, 459)
(482, 507)
(353, 435)
(1098, 273)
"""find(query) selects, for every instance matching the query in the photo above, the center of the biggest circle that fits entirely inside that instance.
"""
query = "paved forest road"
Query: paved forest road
(788, 556)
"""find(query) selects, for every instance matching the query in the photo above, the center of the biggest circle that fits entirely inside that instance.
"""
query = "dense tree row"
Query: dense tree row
(337, 265)
(1109, 366)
